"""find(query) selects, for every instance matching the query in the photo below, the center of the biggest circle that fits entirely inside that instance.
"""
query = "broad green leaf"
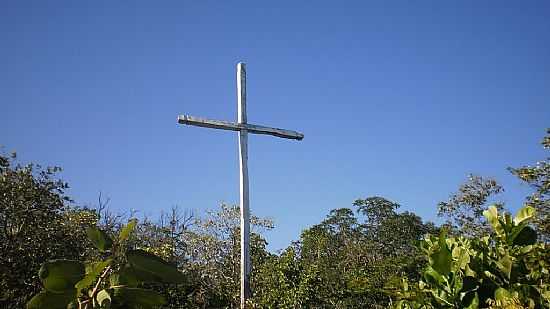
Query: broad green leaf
(147, 262)
(462, 258)
(491, 215)
(127, 230)
(527, 236)
(93, 270)
(441, 259)
(502, 294)
(433, 277)
(99, 238)
(505, 266)
(129, 277)
(140, 297)
(523, 214)
(103, 299)
(49, 300)
(60, 275)
(515, 232)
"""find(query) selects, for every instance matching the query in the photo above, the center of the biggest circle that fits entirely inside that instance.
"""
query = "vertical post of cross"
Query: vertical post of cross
(243, 162)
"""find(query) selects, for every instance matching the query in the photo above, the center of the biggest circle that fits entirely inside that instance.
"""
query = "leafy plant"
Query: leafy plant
(37, 224)
(508, 268)
(116, 281)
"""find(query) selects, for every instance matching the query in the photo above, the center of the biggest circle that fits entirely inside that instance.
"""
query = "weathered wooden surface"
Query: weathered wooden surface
(233, 126)
(243, 176)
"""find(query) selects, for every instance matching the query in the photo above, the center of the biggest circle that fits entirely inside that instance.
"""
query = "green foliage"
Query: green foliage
(59, 275)
(127, 230)
(213, 251)
(538, 177)
(345, 261)
(507, 269)
(154, 267)
(140, 298)
(112, 282)
(367, 256)
(464, 209)
(36, 225)
(93, 270)
(46, 299)
(99, 238)
(285, 282)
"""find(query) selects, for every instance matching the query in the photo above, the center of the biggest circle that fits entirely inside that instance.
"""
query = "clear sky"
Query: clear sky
(397, 99)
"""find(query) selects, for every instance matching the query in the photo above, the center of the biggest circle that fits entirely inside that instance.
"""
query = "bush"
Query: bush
(507, 269)
(116, 281)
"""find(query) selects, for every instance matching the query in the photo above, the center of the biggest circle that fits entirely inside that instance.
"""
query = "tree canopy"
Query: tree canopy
(370, 255)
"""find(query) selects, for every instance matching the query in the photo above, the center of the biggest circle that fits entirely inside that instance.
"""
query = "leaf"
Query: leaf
(99, 238)
(127, 230)
(103, 298)
(462, 258)
(140, 297)
(60, 275)
(526, 237)
(442, 258)
(515, 232)
(150, 263)
(433, 277)
(457, 283)
(128, 276)
(523, 214)
(505, 266)
(491, 215)
(92, 272)
(502, 294)
(49, 300)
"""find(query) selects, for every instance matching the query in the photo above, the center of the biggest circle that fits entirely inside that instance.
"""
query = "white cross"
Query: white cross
(243, 127)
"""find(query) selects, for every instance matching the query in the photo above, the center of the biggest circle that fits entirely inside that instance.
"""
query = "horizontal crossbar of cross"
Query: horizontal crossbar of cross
(233, 126)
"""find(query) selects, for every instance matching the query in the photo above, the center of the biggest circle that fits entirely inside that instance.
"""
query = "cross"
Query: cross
(243, 128)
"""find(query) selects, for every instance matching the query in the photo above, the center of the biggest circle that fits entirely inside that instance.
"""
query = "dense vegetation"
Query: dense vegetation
(370, 255)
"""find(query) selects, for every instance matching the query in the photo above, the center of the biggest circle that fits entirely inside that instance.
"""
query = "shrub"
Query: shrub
(507, 269)
(115, 281)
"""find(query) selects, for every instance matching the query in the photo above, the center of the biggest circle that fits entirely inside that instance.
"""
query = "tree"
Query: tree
(35, 226)
(393, 233)
(346, 260)
(213, 250)
(166, 236)
(538, 177)
(464, 209)
(284, 282)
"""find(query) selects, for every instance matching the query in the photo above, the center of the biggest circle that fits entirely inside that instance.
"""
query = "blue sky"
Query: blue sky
(397, 99)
